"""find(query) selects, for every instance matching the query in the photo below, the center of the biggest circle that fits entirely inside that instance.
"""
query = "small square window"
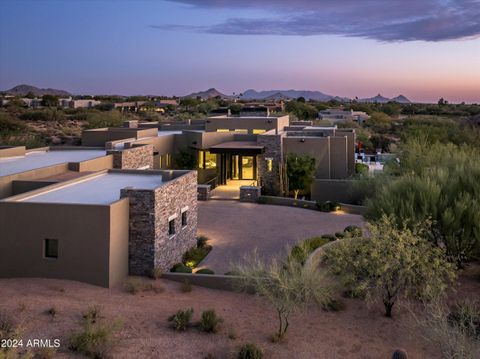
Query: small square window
(184, 219)
(171, 227)
(51, 248)
(269, 165)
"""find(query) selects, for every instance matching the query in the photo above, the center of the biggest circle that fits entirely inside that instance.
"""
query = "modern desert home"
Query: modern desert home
(100, 227)
(228, 148)
(92, 215)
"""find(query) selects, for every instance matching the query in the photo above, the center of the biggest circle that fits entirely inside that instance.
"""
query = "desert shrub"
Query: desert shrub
(301, 251)
(328, 206)
(361, 168)
(329, 237)
(136, 285)
(353, 231)
(45, 353)
(181, 319)
(451, 337)
(339, 235)
(286, 286)
(186, 286)
(182, 269)
(9, 125)
(391, 264)
(156, 273)
(195, 255)
(105, 119)
(250, 351)
(334, 305)
(202, 241)
(205, 271)
(94, 340)
(231, 272)
(8, 330)
(210, 321)
(92, 315)
(466, 314)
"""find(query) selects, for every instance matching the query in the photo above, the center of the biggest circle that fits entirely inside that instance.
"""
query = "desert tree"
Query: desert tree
(286, 286)
(391, 264)
(300, 171)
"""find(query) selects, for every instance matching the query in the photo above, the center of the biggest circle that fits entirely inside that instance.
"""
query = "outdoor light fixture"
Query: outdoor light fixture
(302, 140)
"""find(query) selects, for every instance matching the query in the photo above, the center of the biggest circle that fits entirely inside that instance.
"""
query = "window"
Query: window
(257, 131)
(184, 219)
(241, 130)
(51, 248)
(269, 164)
(207, 160)
(223, 130)
(171, 227)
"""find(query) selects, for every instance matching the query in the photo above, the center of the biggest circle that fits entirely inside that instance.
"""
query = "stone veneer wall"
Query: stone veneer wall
(150, 246)
(133, 158)
(273, 149)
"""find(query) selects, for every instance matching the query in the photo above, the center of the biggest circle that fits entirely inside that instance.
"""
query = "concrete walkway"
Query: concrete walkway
(230, 191)
(236, 229)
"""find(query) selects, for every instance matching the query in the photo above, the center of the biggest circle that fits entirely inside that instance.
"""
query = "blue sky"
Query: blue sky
(422, 49)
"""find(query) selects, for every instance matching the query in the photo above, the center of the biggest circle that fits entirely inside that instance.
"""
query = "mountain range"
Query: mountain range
(291, 94)
(23, 90)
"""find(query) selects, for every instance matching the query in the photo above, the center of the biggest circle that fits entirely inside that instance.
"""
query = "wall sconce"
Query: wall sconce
(302, 140)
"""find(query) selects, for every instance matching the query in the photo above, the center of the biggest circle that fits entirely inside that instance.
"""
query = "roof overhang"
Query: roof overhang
(238, 147)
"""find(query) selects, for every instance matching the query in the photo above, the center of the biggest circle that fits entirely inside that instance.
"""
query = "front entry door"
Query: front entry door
(243, 167)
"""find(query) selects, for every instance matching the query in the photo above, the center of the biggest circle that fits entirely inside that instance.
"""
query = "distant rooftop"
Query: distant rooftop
(102, 189)
(39, 159)
(166, 133)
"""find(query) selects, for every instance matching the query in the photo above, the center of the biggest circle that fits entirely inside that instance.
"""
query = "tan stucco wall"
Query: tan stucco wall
(338, 158)
(119, 232)
(12, 151)
(83, 232)
(316, 147)
(98, 137)
(95, 164)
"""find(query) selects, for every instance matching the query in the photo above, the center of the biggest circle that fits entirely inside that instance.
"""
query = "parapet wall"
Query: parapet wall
(133, 158)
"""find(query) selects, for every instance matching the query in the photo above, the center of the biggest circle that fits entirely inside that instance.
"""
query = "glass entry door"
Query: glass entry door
(247, 167)
(242, 167)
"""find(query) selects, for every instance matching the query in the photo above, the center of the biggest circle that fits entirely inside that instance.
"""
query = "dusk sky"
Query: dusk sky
(423, 49)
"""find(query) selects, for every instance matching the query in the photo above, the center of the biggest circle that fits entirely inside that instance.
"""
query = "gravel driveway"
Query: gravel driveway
(236, 228)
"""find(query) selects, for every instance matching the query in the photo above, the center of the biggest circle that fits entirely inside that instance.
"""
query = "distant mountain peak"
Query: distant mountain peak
(210, 93)
(24, 89)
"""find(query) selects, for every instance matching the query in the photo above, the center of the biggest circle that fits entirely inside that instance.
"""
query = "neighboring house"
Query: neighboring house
(91, 214)
(70, 103)
(335, 115)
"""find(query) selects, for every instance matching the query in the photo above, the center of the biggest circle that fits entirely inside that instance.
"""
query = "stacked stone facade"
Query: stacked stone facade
(250, 193)
(270, 180)
(133, 158)
(150, 245)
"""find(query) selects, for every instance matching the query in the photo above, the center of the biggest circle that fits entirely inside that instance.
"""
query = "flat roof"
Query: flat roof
(102, 189)
(166, 133)
(38, 159)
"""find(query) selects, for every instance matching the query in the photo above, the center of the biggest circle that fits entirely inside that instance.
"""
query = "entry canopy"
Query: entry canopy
(238, 147)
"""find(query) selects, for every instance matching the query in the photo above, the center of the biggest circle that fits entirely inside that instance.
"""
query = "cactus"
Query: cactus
(400, 354)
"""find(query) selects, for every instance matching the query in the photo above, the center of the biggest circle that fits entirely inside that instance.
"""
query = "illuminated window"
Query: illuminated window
(207, 160)
(241, 130)
(258, 131)
(51, 248)
(223, 130)
(269, 164)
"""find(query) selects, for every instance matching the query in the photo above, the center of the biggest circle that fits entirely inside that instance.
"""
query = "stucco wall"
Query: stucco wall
(316, 147)
(83, 232)
(333, 190)
(270, 181)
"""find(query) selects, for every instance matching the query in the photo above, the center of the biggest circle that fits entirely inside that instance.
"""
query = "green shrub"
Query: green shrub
(328, 206)
(92, 315)
(202, 241)
(94, 340)
(195, 255)
(329, 237)
(181, 319)
(340, 235)
(204, 271)
(301, 251)
(250, 351)
(361, 168)
(353, 231)
(210, 321)
(181, 269)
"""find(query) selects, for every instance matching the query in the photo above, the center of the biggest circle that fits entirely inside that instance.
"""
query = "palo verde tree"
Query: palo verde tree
(300, 170)
(286, 286)
(393, 263)
(185, 159)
